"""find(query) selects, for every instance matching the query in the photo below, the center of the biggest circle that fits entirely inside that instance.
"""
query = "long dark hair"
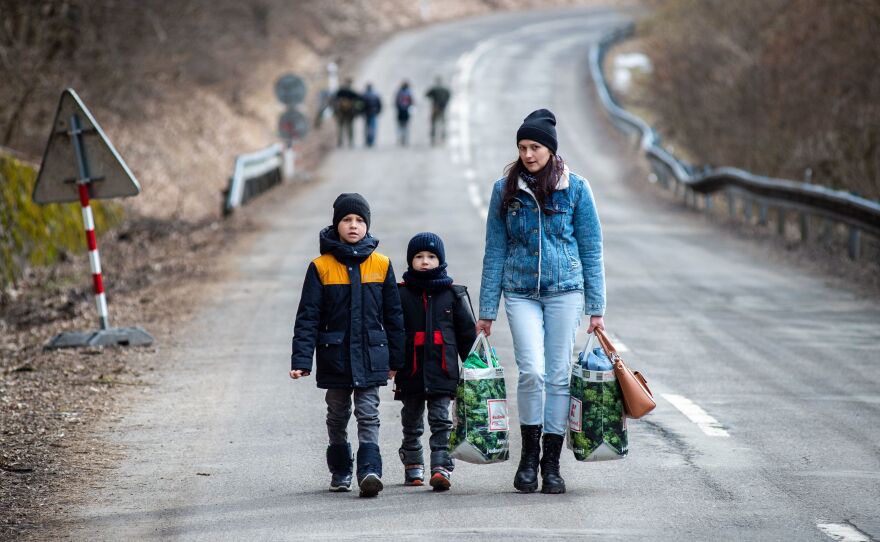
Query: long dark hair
(545, 181)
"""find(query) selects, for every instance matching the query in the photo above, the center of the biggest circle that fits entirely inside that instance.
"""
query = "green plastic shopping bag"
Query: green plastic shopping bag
(481, 424)
(596, 420)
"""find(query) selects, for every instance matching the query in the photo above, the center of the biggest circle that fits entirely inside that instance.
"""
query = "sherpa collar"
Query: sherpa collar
(561, 184)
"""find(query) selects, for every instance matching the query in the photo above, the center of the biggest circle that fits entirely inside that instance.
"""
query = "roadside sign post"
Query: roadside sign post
(292, 125)
(86, 167)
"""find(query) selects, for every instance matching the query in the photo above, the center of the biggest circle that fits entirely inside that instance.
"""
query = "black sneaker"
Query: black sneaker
(440, 479)
(340, 482)
(413, 475)
(371, 485)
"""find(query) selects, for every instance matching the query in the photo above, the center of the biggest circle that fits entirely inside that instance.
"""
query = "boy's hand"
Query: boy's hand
(391, 374)
(298, 373)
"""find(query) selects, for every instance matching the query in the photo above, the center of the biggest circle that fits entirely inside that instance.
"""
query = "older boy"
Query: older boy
(350, 312)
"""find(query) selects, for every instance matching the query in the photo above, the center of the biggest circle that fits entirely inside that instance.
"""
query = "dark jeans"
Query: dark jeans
(370, 128)
(412, 418)
(366, 410)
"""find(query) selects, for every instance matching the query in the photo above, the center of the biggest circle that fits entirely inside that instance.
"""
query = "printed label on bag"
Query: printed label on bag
(574, 415)
(497, 414)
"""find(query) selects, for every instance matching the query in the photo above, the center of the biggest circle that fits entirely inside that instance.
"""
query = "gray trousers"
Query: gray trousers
(366, 411)
(412, 418)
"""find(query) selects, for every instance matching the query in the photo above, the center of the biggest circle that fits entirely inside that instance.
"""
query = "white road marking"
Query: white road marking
(474, 194)
(843, 532)
(694, 413)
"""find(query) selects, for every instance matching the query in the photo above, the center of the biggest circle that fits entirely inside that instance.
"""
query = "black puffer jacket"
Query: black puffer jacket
(440, 328)
(350, 311)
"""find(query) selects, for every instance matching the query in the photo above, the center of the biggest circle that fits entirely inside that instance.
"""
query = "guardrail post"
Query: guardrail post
(762, 214)
(708, 201)
(855, 243)
(780, 226)
(731, 204)
(805, 227)
(747, 209)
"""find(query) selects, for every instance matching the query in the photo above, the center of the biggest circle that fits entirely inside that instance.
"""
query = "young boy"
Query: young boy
(350, 311)
(440, 327)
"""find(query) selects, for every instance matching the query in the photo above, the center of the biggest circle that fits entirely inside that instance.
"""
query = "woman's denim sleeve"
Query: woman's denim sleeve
(493, 258)
(588, 233)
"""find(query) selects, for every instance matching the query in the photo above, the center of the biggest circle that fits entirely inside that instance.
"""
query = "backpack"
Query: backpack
(404, 100)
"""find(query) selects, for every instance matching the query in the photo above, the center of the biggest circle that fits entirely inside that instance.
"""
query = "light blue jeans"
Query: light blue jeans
(543, 332)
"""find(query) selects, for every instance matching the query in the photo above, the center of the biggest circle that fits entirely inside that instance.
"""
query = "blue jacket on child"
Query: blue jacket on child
(350, 312)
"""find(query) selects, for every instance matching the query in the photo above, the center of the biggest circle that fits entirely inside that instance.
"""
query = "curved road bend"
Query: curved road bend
(766, 378)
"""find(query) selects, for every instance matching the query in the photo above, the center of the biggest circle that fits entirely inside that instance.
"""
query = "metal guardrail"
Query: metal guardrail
(859, 214)
(254, 173)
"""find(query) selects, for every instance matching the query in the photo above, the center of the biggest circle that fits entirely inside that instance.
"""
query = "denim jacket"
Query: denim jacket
(566, 256)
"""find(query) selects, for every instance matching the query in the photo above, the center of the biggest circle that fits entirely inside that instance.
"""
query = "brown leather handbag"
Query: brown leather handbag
(637, 397)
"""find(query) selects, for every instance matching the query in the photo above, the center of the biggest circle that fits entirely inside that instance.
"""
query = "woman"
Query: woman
(544, 252)
(404, 102)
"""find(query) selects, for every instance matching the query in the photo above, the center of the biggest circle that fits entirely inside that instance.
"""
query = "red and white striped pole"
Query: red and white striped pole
(89, 221)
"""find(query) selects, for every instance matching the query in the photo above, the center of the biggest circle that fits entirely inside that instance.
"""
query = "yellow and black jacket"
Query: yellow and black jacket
(350, 313)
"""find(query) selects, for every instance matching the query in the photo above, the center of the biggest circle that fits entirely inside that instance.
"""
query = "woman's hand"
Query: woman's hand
(596, 322)
(298, 373)
(484, 326)
(391, 374)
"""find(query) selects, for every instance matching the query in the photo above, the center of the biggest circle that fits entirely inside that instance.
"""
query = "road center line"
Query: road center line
(694, 413)
(843, 532)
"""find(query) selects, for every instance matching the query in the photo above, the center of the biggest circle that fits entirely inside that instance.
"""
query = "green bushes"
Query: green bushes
(36, 235)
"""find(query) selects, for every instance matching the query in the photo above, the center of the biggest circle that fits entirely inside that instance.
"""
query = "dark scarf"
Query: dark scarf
(530, 179)
(345, 252)
(432, 279)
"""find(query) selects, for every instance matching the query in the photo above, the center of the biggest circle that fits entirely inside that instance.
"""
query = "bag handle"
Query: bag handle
(588, 346)
(483, 341)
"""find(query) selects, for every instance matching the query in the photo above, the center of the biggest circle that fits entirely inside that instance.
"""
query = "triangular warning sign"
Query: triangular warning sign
(98, 161)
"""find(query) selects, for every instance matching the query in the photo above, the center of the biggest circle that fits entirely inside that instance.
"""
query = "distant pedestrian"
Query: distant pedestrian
(544, 253)
(440, 329)
(349, 310)
(372, 107)
(346, 106)
(439, 96)
(404, 102)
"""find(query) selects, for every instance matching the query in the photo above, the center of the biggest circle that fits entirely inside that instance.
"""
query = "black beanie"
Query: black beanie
(425, 241)
(539, 126)
(347, 204)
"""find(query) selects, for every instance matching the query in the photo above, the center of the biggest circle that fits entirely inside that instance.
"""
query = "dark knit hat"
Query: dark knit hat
(425, 241)
(539, 126)
(347, 204)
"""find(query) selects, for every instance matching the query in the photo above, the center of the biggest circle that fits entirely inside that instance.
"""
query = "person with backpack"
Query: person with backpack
(439, 96)
(372, 107)
(404, 102)
(440, 329)
(346, 105)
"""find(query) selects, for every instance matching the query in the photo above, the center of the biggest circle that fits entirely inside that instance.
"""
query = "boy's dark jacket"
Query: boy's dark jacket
(350, 312)
(440, 327)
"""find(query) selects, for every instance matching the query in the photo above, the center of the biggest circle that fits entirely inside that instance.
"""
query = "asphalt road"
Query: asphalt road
(766, 376)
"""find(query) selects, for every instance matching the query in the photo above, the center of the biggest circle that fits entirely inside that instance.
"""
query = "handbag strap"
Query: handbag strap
(606, 345)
